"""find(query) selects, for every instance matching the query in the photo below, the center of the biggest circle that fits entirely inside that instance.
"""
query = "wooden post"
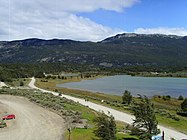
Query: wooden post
(69, 130)
(162, 135)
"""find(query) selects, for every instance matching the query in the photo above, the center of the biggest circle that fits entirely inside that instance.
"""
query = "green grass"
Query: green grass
(178, 125)
(121, 136)
(114, 102)
(87, 134)
(172, 104)
(62, 107)
(81, 134)
(86, 113)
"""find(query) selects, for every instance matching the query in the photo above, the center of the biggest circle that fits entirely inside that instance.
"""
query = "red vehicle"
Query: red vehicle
(10, 116)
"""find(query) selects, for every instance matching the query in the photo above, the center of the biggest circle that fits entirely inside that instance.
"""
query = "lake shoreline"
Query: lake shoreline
(115, 102)
(156, 74)
(116, 85)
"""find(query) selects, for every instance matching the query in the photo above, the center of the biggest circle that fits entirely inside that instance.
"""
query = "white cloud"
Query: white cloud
(56, 19)
(162, 30)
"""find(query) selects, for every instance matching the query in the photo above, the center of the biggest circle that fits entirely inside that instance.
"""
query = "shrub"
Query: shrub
(159, 96)
(166, 98)
(184, 105)
(45, 100)
(175, 118)
(180, 98)
(181, 113)
(3, 124)
(53, 77)
(126, 98)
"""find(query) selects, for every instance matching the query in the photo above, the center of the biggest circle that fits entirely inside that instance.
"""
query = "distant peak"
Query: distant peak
(131, 35)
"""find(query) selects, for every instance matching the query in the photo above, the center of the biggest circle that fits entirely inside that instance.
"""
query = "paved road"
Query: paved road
(169, 133)
(32, 122)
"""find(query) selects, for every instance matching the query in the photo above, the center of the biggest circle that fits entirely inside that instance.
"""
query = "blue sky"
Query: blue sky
(90, 20)
(144, 14)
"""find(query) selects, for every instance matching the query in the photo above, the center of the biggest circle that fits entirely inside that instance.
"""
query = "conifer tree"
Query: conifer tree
(127, 97)
(105, 127)
(145, 118)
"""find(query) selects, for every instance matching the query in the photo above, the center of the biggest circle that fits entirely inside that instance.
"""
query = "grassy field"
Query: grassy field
(171, 123)
(166, 114)
(87, 134)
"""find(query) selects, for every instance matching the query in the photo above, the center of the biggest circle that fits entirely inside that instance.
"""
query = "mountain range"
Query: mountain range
(116, 51)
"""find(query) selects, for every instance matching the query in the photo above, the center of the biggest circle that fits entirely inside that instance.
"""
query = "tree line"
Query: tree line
(24, 70)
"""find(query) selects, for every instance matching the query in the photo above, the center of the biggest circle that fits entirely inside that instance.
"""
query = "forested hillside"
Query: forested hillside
(119, 51)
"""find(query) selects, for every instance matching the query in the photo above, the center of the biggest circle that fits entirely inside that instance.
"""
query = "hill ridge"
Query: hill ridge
(116, 51)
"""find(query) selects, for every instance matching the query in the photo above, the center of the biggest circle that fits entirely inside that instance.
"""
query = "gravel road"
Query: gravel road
(32, 121)
(169, 133)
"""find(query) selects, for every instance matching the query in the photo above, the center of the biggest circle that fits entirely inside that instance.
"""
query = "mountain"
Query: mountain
(118, 51)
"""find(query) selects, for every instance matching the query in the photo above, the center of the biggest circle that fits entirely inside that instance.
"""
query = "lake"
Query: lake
(148, 86)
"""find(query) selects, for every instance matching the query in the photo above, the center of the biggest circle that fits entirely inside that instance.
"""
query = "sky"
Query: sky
(90, 20)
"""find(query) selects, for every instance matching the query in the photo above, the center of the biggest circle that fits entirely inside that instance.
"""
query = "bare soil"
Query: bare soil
(32, 121)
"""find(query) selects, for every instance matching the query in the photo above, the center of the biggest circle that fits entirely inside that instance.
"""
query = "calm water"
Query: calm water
(136, 85)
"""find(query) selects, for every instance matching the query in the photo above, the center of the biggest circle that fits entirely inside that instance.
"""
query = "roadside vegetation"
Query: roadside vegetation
(79, 118)
(168, 111)
(144, 126)
(62, 106)
(3, 124)
(166, 107)
(19, 82)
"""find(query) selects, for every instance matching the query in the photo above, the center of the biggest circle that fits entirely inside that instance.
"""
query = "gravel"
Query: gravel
(32, 121)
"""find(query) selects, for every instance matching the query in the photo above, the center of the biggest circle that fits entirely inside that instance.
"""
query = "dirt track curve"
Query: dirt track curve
(32, 121)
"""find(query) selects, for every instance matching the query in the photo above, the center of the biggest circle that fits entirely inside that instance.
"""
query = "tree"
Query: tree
(106, 127)
(145, 118)
(184, 105)
(39, 75)
(180, 97)
(127, 97)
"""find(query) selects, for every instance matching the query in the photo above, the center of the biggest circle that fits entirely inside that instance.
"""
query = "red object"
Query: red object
(10, 116)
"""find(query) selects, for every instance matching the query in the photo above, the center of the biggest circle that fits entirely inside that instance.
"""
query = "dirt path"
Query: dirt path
(169, 133)
(32, 122)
